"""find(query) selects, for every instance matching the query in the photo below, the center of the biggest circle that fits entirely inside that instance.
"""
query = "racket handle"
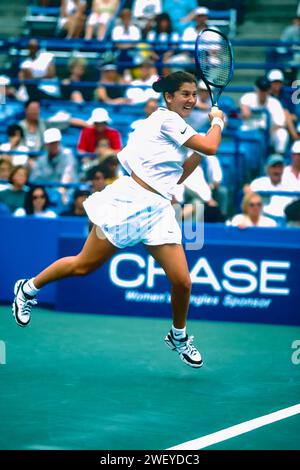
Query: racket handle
(214, 108)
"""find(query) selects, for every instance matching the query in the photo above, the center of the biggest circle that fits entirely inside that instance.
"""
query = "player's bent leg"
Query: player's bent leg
(172, 259)
(96, 250)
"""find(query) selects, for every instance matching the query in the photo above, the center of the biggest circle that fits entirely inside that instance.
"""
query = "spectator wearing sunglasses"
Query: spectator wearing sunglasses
(251, 215)
(36, 204)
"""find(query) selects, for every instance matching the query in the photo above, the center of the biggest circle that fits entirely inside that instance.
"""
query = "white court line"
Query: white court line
(238, 429)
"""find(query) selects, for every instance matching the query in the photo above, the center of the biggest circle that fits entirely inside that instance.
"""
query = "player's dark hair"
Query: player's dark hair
(173, 82)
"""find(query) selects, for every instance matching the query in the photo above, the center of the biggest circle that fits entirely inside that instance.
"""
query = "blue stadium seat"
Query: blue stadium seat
(10, 112)
(254, 146)
(227, 104)
(41, 21)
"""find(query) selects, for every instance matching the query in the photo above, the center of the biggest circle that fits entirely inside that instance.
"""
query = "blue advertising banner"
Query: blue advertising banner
(258, 282)
(28, 245)
(238, 275)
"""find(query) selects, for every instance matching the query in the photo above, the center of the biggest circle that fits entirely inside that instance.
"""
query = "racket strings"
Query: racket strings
(214, 57)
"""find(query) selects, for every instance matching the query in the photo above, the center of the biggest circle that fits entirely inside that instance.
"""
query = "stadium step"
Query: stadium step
(275, 10)
(11, 15)
(263, 20)
(250, 30)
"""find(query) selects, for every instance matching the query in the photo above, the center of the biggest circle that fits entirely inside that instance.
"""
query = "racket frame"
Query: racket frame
(199, 73)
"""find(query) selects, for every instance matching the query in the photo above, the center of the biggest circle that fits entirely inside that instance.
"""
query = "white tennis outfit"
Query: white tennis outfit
(126, 212)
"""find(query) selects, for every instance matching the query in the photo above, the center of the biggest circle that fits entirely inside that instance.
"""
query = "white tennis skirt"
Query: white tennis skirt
(128, 214)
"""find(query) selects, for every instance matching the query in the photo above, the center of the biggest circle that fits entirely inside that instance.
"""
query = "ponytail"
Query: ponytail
(158, 86)
(173, 82)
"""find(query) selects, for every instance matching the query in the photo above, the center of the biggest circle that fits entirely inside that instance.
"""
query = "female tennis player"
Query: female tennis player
(137, 208)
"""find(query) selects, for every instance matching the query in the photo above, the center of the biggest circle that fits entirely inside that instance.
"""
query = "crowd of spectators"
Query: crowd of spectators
(42, 175)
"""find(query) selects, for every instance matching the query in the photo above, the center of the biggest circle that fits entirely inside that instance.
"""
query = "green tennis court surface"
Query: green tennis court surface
(102, 382)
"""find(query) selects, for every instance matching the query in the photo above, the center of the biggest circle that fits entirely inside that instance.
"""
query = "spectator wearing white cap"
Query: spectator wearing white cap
(200, 17)
(57, 164)
(98, 129)
(144, 11)
(277, 90)
(273, 205)
(291, 174)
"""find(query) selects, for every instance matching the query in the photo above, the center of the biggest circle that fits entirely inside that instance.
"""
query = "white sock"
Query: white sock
(29, 288)
(179, 333)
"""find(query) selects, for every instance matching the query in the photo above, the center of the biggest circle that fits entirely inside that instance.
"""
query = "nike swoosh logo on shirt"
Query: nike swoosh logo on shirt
(183, 131)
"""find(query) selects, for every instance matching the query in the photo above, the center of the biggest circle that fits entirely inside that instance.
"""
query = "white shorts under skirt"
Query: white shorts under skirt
(128, 214)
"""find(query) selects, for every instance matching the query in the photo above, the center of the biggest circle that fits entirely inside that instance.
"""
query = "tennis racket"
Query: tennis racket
(214, 62)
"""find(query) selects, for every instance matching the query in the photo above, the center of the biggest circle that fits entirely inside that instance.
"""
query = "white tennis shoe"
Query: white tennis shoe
(22, 304)
(188, 353)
